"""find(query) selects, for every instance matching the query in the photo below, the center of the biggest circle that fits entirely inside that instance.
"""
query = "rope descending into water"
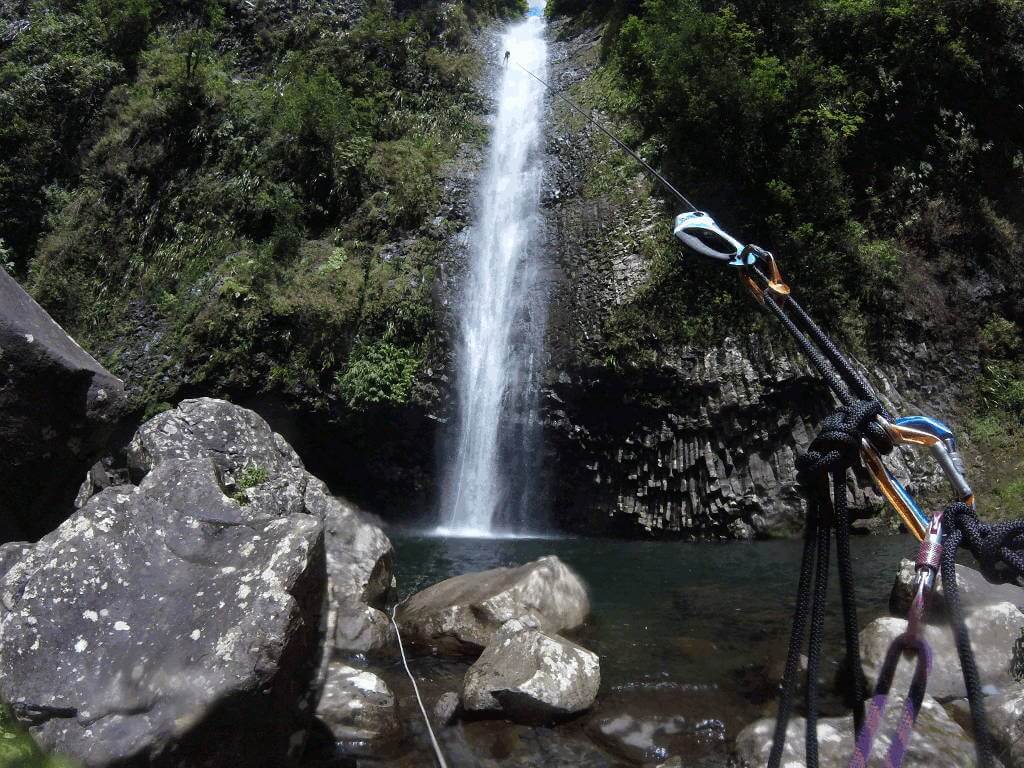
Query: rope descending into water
(416, 689)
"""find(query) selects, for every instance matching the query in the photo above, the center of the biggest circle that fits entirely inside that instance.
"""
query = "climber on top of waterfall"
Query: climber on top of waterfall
(507, 54)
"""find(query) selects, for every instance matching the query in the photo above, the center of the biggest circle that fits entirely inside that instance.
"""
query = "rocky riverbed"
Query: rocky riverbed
(222, 607)
(207, 601)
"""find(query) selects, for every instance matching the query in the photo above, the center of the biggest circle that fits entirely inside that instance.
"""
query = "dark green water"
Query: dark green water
(687, 633)
(670, 613)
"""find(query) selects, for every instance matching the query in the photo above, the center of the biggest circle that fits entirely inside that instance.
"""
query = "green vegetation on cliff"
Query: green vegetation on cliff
(235, 196)
(876, 146)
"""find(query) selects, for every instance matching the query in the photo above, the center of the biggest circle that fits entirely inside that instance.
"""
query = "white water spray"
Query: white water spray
(489, 488)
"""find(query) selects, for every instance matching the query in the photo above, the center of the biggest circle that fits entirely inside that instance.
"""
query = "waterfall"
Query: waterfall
(490, 484)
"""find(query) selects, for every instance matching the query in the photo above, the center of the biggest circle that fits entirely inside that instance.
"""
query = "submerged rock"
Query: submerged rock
(654, 737)
(462, 614)
(58, 406)
(359, 710)
(973, 589)
(532, 677)
(993, 629)
(446, 708)
(938, 742)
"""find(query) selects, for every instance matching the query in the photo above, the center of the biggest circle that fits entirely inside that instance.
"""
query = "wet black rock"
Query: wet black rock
(58, 406)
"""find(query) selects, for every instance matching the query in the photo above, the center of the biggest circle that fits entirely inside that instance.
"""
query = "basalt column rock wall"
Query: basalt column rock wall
(705, 447)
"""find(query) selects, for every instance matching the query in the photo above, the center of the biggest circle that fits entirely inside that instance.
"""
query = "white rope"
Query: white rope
(426, 719)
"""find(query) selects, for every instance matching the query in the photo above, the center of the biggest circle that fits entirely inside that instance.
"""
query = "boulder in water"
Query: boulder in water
(58, 406)
(938, 742)
(532, 677)
(359, 710)
(462, 614)
(993, 628)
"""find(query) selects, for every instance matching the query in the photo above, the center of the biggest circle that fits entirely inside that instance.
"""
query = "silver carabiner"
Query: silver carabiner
(701, 233)
(941, 442)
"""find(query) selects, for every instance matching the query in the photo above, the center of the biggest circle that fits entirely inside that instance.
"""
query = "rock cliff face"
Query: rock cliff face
(704, 447)
(702, 443)
(58, 406)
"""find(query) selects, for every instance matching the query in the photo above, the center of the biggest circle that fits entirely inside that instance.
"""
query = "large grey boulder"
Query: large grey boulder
(973, 589)
(359, 710)
(993, 629)
(360, 562)
(1006, 724)
(181, 621)
(938, 742)
(152, 629)
(244, 449)
(532, 677)
(461, 615)
(58, 406)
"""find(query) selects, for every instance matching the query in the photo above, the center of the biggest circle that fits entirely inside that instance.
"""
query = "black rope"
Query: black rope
(819, 599)
(851, 634)
(831, 453)
(796, 637)
(997, 548)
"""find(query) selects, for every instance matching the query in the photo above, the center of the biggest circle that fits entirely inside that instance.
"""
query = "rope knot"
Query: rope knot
(839, 437)
(998, 547)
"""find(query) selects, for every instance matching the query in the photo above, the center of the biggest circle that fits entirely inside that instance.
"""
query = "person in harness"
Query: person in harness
(507, 55)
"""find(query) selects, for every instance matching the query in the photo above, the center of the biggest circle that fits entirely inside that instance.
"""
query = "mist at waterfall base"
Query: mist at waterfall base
(491, 457)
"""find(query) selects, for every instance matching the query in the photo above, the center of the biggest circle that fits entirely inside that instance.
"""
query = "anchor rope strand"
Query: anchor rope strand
(828, 457)
(416, 689)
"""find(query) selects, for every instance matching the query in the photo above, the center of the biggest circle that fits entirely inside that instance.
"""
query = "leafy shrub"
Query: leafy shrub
(18, 750)
(854, 137)
(378, 374)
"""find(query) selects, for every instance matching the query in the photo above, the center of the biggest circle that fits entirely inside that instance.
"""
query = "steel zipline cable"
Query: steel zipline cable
(621, 144)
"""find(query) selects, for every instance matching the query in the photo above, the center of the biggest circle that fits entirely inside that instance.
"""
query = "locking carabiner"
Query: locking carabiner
(935, 435)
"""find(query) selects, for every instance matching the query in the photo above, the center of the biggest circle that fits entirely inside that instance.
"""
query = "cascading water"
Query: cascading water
(490, 487)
